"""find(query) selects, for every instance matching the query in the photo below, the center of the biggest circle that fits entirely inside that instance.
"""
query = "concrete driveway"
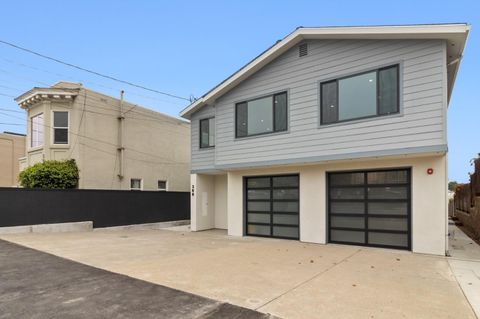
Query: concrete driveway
(285, 278)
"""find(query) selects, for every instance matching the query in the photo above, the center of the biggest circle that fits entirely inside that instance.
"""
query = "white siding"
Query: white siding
(419, 124)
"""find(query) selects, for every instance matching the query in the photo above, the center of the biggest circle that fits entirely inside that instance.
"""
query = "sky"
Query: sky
(187, 47)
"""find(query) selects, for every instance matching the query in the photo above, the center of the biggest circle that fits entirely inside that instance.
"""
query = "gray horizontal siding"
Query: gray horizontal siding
(201, 158)
(421, 123)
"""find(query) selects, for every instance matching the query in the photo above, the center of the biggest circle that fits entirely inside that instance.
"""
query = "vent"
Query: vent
(302, 50)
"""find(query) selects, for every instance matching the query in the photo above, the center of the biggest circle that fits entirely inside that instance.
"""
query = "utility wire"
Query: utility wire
(16, 124)
(101, 141)
(91, 71)
(64, 76)
(14, 111)
(7, 95)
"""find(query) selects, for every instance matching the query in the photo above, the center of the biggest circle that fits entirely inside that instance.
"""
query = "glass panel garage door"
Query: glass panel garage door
(272, 206)
(370, 208)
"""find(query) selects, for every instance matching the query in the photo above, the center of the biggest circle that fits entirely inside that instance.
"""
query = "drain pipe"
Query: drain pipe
(121, 129)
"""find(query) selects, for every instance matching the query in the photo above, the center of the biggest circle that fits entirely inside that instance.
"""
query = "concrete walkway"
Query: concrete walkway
(38, 285)
(289, 279)
(465, 264)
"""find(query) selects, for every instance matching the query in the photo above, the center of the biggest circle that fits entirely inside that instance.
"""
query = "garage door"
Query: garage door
(272, 206)
(370, 208)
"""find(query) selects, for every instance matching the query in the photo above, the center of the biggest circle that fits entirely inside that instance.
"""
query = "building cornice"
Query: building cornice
(36, 95)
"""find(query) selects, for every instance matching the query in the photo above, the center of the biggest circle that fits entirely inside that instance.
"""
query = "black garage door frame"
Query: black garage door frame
(366, 201)
(272, 224)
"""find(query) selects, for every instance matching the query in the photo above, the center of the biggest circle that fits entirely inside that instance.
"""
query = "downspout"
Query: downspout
(121, 129)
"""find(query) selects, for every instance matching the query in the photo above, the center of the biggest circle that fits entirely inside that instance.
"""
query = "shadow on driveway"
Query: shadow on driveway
(34, 284)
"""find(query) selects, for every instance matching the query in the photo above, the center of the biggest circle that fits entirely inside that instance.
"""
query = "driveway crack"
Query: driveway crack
(308, 280)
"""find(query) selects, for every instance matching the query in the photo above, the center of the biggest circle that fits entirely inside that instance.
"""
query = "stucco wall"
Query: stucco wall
(12, 147)
(429, 203)
(156, 146)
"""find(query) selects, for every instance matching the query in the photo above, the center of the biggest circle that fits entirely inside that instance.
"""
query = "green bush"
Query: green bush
(50, 174)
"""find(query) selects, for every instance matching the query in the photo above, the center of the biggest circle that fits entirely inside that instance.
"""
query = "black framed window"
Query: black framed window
(207, 133)
(261, 116)
(369, 94)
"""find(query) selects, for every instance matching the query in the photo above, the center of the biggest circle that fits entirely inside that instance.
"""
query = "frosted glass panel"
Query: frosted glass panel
(285, 207)
(347, 193)
(349, 222)
(384, 223)
(285, 194)
(387, 192)
(348, 236)
(258, 194)
(388, 208)
(347, 208)
(258, 230)
(259, 218)
(388, 239)
(285, 219)
(259, 206)
(285, 231)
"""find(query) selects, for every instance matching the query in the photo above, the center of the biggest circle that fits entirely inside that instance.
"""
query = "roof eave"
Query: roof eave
(440, 31)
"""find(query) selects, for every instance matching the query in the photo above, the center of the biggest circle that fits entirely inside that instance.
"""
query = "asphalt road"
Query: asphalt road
(34, 284)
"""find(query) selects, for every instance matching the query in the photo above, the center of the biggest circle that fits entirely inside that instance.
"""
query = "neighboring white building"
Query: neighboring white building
(332, 135)
(117, 145)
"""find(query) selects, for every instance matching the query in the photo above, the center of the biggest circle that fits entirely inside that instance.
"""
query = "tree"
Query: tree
(50, 174)
(452, 186)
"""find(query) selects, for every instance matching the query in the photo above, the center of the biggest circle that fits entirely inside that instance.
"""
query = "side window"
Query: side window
(207, 133)
(36, 130)
(60, 127)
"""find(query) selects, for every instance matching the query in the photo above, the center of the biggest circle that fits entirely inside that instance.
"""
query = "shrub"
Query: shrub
(50, 174)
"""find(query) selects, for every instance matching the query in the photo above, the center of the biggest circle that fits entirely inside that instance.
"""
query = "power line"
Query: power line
(64, 76)
(7, 95)
(14, 111)
(92, 72)
(16, 124)
(101, 141)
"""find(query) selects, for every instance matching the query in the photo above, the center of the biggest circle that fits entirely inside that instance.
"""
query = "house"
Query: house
(12, 147)
(116, 144)
(331, 135)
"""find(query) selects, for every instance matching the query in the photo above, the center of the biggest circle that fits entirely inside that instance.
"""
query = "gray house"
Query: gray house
(332, 135)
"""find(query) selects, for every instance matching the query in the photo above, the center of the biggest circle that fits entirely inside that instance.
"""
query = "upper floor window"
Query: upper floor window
(207, 132)
(60, 127)
(369, 94)
(36, 128)
(261, 116)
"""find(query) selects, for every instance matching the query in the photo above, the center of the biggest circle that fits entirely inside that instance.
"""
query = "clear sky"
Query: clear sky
(187, 47)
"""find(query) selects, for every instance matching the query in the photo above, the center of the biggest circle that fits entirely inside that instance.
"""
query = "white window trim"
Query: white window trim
(31, 131)
(53, 129)
(166, 185)
(141, 184)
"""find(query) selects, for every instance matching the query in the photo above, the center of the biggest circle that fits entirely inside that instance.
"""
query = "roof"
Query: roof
(454, 33)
